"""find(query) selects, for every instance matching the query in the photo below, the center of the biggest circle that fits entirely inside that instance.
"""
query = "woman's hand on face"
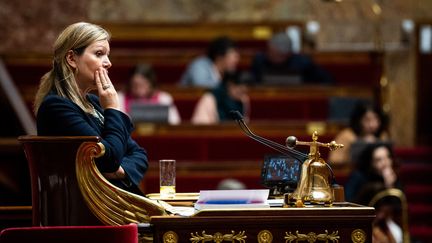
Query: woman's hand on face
(370, 138)
(107, 94)
(389, 176)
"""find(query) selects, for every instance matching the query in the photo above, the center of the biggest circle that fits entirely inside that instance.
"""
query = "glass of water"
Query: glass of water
(167, 178)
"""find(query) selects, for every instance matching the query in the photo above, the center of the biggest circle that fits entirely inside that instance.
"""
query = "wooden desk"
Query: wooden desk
(341, 223)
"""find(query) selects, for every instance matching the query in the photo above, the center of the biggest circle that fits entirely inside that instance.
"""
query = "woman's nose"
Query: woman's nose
(107, 63)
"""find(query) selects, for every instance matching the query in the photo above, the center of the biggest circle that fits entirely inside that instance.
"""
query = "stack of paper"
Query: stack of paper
(222, 199)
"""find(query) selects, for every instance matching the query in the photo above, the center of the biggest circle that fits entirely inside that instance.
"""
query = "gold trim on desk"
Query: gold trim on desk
(358, 236)
(170, 237)
(219, 237)
(265, 236)
(312, 237)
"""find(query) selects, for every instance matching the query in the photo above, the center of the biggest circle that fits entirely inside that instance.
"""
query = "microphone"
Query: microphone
(237, 116)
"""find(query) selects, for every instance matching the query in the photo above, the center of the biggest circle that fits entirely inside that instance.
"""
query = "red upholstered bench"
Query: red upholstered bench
(284, 108)
(71, 234)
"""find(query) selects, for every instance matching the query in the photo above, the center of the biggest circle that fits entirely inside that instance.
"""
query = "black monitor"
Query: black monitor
(149, 113)
(280, 173)
(281, 79)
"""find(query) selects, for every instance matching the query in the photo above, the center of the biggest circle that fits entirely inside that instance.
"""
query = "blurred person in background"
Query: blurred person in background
(376, 165)
(206, 71)
(215, 105)
(279, 65)
(142, 88)
(375, 172)
(368, 124)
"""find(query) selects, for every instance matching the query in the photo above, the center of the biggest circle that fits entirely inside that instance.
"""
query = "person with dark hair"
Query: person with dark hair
(215, 105)
(279, 65)
(367, 124)
(376, 171)
(142, 88)
(207, 71)
(376, 164)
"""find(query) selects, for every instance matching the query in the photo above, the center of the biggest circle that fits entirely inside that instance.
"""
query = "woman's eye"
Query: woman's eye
(99, 53)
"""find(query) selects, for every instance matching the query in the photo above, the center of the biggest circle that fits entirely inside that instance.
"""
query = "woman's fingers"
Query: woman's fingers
(102, 80)
(107, 93)
(106, 77)
(105, 80)
(98, 81)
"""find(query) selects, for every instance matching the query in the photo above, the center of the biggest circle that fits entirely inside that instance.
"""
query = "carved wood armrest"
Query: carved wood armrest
(110, 204)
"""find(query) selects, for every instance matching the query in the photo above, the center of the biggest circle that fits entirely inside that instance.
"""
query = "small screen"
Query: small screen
(280, 170)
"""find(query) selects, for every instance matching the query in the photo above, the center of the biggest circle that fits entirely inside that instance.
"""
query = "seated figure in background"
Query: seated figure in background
(207, 71)
(141, 88)
(215, 105)
(280, 66)
(376, 171)
(376, 165)
(367, 125)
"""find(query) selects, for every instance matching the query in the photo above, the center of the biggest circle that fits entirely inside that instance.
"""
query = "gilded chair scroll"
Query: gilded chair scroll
(397, 193)
(110, 204)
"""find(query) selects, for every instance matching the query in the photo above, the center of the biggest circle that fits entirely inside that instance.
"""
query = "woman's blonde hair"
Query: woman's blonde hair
(60, 78)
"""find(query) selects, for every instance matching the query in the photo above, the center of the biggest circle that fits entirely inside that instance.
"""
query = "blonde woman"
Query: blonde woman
(64, 106)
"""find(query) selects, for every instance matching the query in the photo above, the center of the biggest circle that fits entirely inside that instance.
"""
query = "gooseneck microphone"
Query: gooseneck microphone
(236, 115)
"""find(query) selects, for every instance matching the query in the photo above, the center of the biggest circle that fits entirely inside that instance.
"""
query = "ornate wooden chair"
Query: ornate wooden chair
(400, 196)
(68, 189)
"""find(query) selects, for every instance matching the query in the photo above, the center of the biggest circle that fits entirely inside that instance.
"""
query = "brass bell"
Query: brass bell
(314, 186)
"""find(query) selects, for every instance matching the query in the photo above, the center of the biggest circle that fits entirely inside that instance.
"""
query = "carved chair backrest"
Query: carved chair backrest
(56, 197)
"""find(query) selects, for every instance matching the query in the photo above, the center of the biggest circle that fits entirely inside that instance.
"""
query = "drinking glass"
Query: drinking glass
(167, 178)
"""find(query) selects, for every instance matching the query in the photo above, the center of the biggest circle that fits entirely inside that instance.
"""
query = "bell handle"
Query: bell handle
(292, 142)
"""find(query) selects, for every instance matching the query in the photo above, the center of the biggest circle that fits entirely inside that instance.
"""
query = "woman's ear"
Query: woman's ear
(71, 58)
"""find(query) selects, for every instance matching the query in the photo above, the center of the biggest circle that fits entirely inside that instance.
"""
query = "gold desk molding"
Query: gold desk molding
(312, 237)
(219, 237)
(265, 236)
(358, 236)
(170, 237)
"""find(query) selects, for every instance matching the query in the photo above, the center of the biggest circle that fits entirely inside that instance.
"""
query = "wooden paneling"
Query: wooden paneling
(197, 31)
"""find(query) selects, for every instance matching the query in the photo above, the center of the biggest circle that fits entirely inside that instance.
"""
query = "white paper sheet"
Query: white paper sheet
(213, 199)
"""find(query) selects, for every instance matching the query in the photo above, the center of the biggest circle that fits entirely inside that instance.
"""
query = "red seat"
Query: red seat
(69, 234)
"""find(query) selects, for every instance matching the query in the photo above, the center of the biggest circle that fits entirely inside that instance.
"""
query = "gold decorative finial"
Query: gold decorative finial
(314, 145)
(315, 136)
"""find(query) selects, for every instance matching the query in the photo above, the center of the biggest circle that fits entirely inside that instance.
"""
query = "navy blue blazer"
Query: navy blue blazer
(59, 116)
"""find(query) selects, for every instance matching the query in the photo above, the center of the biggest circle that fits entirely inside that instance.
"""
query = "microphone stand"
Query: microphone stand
(278, 147)
(289, 151)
